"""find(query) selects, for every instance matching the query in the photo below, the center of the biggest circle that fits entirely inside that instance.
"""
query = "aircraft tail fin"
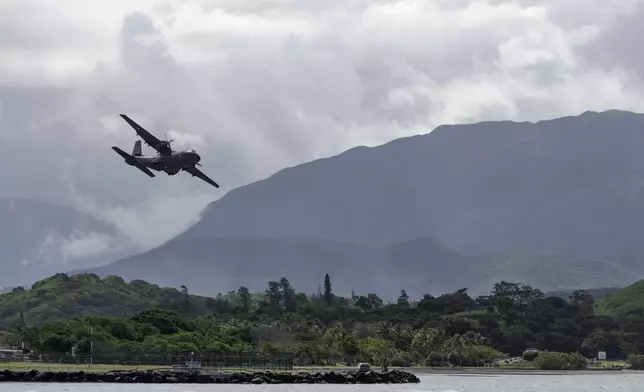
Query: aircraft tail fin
(136, 151)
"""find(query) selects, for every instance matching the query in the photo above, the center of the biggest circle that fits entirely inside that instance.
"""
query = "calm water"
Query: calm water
(622, 382)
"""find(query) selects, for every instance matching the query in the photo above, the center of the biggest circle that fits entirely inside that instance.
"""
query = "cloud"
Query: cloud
(186, 139)
(83, 246)
(55, 250)
(155, 219)
(255, 86)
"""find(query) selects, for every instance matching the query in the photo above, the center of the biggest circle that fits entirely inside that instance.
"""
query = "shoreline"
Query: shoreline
(426, 371)
(297, 376)
(339, 374)
(508, 372)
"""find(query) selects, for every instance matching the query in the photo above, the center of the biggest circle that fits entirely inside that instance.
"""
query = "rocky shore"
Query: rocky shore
(193, 377)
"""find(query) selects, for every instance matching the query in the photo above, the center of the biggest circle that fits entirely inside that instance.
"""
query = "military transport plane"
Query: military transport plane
(167, 160)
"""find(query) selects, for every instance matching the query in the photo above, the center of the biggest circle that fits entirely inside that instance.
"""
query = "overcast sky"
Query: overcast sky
(255, 86)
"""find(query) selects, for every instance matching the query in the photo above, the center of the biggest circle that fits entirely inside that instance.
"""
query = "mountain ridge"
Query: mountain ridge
(503, 196)
(254, 200)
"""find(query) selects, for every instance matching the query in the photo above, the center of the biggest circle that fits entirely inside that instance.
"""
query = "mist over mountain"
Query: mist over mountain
(38, 239)
(209, 266)
(558, 204)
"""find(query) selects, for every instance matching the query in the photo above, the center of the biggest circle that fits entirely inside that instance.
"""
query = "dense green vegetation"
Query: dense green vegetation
(560, 361)
(636, 361)
(624, 303)
(61, 297)
(62, 312)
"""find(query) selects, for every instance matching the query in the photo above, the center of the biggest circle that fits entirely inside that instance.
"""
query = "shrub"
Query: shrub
(436, 359)
(551, 361)
(530, 355)
(401, 359)
(560, 361)
(485, 355)
(474, 356)
(636, 361)
(577, 361)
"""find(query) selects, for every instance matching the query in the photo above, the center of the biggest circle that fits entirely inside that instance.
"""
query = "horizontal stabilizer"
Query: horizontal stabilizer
(122, 153)
(130, 158)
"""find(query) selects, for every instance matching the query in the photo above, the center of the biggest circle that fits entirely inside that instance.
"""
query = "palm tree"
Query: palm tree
(596, 342)
(456, 344)
(402, 336)
(427, 340)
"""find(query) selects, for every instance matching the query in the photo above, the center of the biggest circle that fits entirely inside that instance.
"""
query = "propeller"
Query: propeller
(166, 141)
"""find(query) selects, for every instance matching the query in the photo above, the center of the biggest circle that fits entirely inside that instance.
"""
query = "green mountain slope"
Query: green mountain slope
(553, 271)
(626, 302)
(62, 297)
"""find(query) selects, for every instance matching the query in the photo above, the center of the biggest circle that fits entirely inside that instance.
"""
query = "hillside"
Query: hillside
(628, 301)
(573, 185)
(62, 297)
(597, 294)
(38, 239)
(212, 265)
(553, 271)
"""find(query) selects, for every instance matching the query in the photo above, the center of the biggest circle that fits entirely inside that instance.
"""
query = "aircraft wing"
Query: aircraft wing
(198, 173)
(145, 170)
(147, 137)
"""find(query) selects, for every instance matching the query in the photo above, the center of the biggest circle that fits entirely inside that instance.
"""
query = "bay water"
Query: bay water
(572, 382)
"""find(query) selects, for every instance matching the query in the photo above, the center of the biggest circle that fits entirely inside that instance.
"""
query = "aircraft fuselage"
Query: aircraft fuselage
(171, 164)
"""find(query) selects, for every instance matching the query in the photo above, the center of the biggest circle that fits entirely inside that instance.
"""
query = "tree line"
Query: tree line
(323, 328)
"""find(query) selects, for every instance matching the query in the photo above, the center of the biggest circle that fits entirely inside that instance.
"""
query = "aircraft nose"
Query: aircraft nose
(197, 157)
